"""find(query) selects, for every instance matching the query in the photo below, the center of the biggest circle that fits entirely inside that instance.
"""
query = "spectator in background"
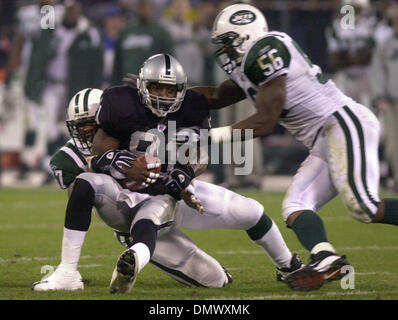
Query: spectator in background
(63, 61)
(113, 22)
(207, 12)
(385, 90)
(178, 21)
(140, 39)
(4, 52)
(350, 51)
(23, 135)
(383, 28)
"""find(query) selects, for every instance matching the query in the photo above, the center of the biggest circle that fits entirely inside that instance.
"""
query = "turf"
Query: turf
(31, 224)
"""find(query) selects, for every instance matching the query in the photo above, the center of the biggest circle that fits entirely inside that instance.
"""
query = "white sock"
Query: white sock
(323, 246)
(143, 254)
(275, 247)
(72, 243)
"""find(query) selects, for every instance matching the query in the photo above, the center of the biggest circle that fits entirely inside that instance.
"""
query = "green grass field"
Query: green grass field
(31, 226)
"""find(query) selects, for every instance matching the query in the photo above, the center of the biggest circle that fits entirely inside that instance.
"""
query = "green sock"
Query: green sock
(309, 229)
(261, 228)
(390, 212)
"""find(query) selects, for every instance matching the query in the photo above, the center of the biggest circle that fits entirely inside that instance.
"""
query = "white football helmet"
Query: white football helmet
(234, 30)
(162, 69)
(81, 112)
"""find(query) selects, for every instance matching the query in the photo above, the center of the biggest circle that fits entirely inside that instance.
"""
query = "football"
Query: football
(144, 159)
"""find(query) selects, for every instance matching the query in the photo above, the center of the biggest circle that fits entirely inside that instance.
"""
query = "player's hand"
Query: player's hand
(178, 179)
(131, 80)
(192, 201)
(111, 162)
(140, 172)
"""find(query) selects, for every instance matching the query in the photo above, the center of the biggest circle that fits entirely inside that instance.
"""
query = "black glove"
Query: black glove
(112, 162)
(178, 179)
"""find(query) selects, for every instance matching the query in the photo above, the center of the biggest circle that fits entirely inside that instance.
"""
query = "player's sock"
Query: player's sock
(77, 222)
(309, 229)
(390, 212)
(72, 243)
(266, 234)
(143, 254)
(144, 234)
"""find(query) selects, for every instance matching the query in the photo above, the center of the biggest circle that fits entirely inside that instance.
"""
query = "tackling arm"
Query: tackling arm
(270, 100)
(225, 94)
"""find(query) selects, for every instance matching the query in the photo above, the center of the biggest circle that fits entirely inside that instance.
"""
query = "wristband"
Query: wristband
(221, 134)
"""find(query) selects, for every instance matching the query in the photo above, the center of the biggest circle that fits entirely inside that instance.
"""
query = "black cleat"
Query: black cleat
(325, 266)
(125, 273)
(295, 264)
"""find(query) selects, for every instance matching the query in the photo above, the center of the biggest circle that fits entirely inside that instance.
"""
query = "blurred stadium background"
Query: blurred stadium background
(40, 70)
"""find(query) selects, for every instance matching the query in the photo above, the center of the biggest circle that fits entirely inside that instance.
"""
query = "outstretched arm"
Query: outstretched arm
(270, 100)
(225, 94)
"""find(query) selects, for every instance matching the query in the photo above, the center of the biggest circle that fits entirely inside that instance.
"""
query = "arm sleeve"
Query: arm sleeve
(267, 59)
(64, 169)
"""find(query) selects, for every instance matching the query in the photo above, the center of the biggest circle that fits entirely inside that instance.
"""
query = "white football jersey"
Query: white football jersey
(310, 97)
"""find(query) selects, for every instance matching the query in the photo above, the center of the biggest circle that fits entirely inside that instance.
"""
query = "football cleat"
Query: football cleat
(229, 276)
(295, 264)
(325, 266)
(125, 273)
(61, 279)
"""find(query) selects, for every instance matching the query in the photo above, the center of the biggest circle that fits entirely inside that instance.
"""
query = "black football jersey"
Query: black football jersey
(123, 116)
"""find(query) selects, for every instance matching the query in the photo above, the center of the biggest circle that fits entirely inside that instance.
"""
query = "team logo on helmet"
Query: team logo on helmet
(242, 17)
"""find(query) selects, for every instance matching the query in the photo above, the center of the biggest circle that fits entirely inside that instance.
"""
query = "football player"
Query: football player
(191, 265)
(270, 68)
(236, 212)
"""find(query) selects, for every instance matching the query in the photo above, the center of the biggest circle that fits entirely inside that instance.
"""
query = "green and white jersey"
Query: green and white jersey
(68, 162)
(310, 97)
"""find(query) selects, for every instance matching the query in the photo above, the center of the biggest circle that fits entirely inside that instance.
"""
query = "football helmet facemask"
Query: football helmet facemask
(234, 30)
(162, 70)
(80, 117)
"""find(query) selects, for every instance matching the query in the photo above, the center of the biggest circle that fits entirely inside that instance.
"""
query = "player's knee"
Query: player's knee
(357, 213)
(94, 179)
(246, 211)
(356, 209)
(206, 270)
(291, 207)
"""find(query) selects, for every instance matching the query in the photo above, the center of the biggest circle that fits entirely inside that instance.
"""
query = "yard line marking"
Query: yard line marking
(28, 204)
(90, 265)
(33, 259)
(44, 225)
(346, 248)
(304, 296)
(375, 273)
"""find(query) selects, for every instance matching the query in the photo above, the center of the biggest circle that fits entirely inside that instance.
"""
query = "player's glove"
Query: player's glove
(112, 162)
(178, 179)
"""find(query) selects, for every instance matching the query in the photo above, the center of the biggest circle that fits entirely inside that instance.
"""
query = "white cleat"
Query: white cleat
(61, 279)
(125, 273)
